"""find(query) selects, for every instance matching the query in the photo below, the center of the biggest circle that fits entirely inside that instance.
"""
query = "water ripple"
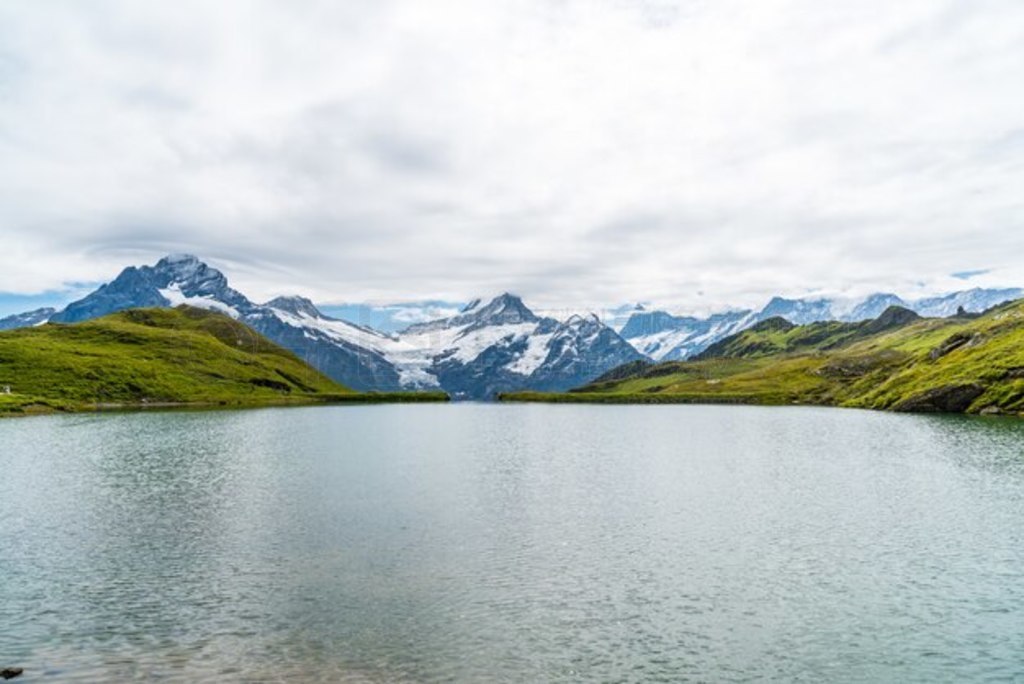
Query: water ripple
(512, 543)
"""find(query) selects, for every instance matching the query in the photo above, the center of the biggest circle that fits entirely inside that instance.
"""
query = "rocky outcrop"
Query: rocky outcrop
(945, 399)
(952, 343)
(890, 319)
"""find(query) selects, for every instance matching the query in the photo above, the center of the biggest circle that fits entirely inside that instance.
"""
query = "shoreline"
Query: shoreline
(41, 406)
(691, 400)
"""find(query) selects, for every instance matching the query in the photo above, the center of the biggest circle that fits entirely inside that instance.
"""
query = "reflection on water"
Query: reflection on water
(512, 543)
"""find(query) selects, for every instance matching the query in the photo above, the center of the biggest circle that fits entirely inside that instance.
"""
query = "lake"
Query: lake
(522, 543)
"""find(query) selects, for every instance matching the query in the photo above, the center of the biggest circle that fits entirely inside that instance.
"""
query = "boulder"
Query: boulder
(945, 399)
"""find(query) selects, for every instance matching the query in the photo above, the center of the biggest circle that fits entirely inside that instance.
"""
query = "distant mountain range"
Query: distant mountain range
(965, 363)
(27, 319)
(153, 357)
(664, 337)
(486, 348)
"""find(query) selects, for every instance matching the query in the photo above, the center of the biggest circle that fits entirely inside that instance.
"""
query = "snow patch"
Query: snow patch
(534, 355)
(173, 294)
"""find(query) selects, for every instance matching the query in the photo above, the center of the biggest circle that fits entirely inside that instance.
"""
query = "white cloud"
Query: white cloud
(582, 153)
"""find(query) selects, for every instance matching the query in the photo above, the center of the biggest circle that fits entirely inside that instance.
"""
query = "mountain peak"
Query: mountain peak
(180, 258)
(508, 298)
(773, 324)
(294, 304)
(894, 316)
(186, 267)
(799, 311)
(175, 279)
(27, 319)
(504, 309)
(581, 320)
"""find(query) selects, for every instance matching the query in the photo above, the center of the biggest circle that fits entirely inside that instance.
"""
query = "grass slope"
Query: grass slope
(158, 357)
(897, 362)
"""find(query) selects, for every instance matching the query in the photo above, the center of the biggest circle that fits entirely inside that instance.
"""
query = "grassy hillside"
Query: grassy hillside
(898, 361)
(156, 357)
(777, 335)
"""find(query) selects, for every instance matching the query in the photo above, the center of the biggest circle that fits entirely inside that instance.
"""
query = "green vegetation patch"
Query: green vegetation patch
(897, 361)
(159, 357)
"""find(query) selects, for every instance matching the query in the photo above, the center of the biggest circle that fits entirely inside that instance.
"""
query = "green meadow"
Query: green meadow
(972, 364)
(159, 358)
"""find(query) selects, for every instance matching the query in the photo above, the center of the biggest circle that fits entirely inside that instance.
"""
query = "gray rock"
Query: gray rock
(950, 344)
(945, 399)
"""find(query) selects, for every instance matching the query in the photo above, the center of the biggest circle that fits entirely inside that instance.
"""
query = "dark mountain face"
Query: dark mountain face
(341, 360)
(664, 337)
(643, 323)
(798, 310)
(581, 350)
(173, 280)
(502, 346)
(564, 354)
(487, 348)
(132, 288)
(893, 317)
(180, 279)
(299, 306)
(974, 300)
(873, 307)
(506, 309)
(27, 319)
(486, 375)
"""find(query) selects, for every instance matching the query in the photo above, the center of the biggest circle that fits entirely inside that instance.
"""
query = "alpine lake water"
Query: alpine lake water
(519, 543)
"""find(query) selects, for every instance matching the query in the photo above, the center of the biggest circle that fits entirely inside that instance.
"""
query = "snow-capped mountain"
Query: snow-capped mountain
(503, 346)
(27, 319)
(175, 279)
(802, 311)
(341, 350)
(973, 301)
(486, 348)
(870, 307)
(351, 354)
(798, 311)
(665, 337)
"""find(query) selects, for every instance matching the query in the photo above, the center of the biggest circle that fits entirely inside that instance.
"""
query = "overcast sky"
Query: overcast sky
(691, 153)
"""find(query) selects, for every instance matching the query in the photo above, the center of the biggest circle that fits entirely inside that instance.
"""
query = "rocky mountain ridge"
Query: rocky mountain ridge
(664, 337)
(489, 347)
